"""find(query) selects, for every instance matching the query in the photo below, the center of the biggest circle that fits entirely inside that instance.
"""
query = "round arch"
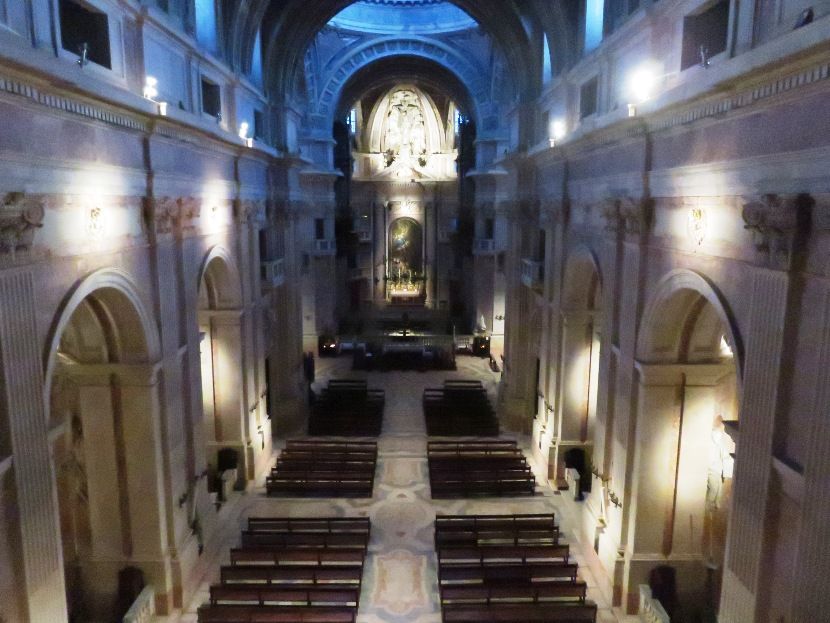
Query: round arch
(124, 299)
(582, 280)
(220, 268)
(659, 327)
(362, 57)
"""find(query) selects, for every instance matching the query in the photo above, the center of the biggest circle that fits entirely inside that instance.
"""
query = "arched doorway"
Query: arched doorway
(580, 347)
(225, 422)
(102, 384)
(687, 421)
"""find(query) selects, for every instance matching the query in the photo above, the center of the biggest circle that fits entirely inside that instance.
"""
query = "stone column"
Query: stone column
(138, 389)
(762, 368)
(813, 568)
(21, 397)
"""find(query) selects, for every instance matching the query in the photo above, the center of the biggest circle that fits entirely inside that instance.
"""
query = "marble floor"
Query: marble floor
(400, 579)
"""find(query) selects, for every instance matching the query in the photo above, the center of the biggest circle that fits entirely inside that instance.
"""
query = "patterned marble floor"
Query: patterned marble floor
(400, 579)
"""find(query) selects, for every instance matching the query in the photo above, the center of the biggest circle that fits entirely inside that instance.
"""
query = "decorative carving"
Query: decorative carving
(168, 215)
(776, 223)
(627, 215)
(20, 216)
(697, 225)
(250, 210)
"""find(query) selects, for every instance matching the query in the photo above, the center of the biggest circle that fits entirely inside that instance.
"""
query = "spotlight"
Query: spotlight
(557, 131)
(150, 88)
(641, 84)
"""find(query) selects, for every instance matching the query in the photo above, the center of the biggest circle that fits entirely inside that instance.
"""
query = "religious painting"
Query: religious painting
(405, 256)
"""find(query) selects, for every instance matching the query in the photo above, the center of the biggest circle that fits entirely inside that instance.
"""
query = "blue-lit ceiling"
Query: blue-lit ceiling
(403, 16)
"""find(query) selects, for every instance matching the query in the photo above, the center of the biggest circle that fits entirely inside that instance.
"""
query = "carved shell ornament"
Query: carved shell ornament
(20, 216)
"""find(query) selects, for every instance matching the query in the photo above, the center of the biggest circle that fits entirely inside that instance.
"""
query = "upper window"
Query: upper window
(85, 32)
(588, 95)
(547, 66)
(211, 98)
(594, 14)
(256, 60)
(704, 34)
(206, 23)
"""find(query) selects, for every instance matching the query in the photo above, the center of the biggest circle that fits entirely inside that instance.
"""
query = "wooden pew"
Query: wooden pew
(328, 525)
(313, 575)
(503, 554)
(318, 540)
(276, 614)
(536, 613)
(283, 595)
(506, 592)
(297, 556)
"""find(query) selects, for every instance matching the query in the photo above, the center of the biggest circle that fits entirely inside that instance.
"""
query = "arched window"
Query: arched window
(547, 66)
(594, 11)
(206, 24)
(256, 61)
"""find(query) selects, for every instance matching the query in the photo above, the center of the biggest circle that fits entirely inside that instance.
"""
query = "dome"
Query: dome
(403, 16)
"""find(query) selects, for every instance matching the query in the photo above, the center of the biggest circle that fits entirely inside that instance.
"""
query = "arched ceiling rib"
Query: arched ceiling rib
(289, 26)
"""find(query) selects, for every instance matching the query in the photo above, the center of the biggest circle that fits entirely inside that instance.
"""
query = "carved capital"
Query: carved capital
(170, 215)
(636, 215)
(249, 211)
(20, 216)
(611, 216)
(776, 222)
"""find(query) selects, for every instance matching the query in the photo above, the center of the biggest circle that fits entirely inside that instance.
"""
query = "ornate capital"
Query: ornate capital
(610, 210)
(250, 211)
(20, 216)
(776, 222)
(627, 215)
(178, 216)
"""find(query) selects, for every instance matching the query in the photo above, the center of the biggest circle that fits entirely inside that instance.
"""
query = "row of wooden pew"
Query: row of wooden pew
(292, 571)
(309, 468)
(478, 468)
(507, 568)
(459, 408)
(347, 408)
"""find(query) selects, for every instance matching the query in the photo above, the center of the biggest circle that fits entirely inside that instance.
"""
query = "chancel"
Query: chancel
(414, 310)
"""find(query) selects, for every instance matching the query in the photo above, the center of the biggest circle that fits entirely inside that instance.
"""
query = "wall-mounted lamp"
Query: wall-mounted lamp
(151, 88)
(641, 84)
(163, 109)
(557, 131)
(243, 130)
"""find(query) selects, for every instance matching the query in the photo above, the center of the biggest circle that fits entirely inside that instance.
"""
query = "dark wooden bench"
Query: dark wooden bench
(297, 556)
(502, 554)
(537, 613)
(287, 540)
(487, 574)
(514, 592)
(459, 408)
(327, 525)
(347, 408)
(284, 595)
(324, 469)
(313, 575)
(276, 614)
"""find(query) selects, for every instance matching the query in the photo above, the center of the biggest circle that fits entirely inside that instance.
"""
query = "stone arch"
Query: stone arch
(219, 272)
(580, 348)
(102, 399)
(678, 294)
(582, 281)
(364, 55)
(688, 406)
(222, 362)
(123, 297)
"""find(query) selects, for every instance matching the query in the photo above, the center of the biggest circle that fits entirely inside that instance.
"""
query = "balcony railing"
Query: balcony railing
(651, 610)
(325, 247)
(273, 273)
(143, 609)
(533, 274)
(484, 246)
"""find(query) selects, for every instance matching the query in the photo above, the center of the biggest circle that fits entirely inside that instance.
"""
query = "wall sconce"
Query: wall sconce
(163, 109)
(151, 88)
(557, 131)
(243, 130)
(641, 83)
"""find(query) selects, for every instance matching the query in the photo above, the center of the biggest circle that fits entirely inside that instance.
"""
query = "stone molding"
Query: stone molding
(21, 215)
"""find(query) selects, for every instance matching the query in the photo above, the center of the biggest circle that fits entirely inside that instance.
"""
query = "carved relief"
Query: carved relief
(20, 216)
(250, 211)
(776, 222)
(627, 215)
(178, 216)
